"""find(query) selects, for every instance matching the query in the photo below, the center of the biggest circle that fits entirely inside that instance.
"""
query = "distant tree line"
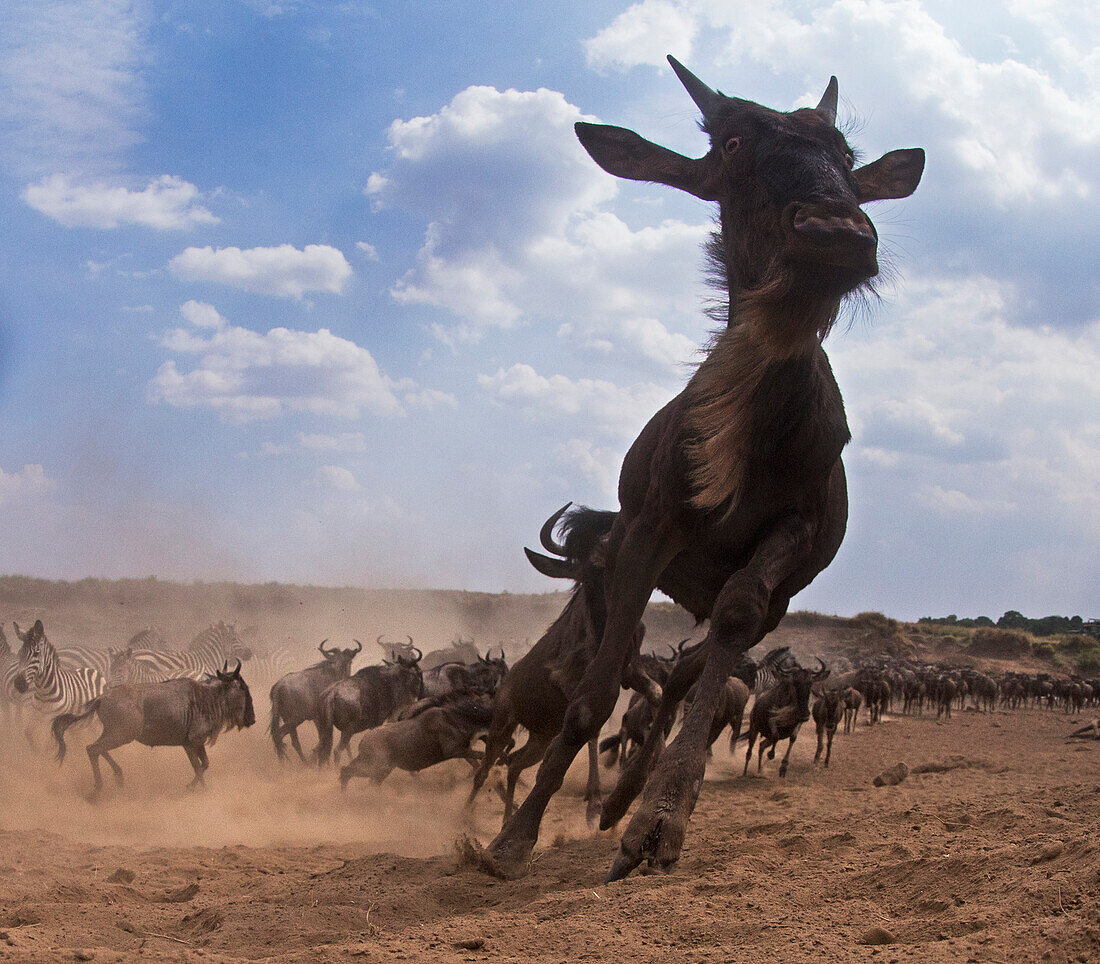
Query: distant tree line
(1045, 626)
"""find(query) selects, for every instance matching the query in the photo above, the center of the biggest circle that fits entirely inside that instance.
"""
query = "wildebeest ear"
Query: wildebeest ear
(554, 568)
(625, 154)
(893, 175)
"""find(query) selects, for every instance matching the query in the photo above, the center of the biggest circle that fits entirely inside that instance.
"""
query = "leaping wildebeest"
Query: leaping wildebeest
(177, 712)
(733, 498)
(296, 697)
(364, 700)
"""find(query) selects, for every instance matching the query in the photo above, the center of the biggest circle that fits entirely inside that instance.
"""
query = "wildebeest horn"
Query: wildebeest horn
(829, 101)
(554, 568)
(823, 672)
(707, 100)
(419, 655)
(322, 646)
(546, 533)
(358, 645)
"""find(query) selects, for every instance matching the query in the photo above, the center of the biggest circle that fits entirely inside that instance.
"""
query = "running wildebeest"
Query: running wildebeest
(177, 712)
(438, 733)
(536, 691)
(479, 678)
(828, 711)
(779, 713)
(296, 697)
(366, 699)
(733, 498)
(853, 700)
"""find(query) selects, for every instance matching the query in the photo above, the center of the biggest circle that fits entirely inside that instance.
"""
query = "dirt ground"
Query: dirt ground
(992, 856)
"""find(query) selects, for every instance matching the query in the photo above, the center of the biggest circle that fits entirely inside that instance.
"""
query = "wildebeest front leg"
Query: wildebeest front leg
(592, 789)
(787, 755)
(746, 608)
(643, 555)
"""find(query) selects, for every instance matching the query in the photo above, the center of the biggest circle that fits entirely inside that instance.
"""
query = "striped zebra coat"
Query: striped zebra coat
(206, 654)
(52, 688)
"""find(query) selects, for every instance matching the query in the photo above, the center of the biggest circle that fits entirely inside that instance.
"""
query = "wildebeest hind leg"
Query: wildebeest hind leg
(526, 756)
(101, 747)
(196, 755)
(292, 732)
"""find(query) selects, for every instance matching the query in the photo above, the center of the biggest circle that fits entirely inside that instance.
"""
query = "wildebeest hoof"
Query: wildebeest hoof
(504, 859)
(656, 839)
(623, 865)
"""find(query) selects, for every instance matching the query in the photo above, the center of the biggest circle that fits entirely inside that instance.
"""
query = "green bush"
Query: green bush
(1000, 643)
(1088, 663)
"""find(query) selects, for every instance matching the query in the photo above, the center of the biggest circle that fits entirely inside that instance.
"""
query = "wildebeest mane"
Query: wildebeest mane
(208, 711)
(581, 528)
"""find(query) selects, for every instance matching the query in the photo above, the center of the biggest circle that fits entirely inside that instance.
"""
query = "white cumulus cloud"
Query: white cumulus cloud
(244, 374)
(165, 203)
(284, 271)
(604, 407)
(643, 34)
(521, 234)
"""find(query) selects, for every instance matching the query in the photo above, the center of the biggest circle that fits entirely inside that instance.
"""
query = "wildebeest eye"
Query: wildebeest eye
(732, 145)
(849, 160)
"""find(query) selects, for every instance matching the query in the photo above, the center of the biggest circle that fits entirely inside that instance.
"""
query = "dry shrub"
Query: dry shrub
(1000, 643)
(880, 634)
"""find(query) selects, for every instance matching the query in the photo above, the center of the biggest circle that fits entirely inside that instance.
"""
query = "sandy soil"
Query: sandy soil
(995, 857)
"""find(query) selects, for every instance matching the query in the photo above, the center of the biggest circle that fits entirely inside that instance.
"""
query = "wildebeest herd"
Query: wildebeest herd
(732, 500)
(417, 711)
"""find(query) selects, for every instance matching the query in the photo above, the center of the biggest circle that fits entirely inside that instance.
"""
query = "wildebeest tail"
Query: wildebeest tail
(63, 721)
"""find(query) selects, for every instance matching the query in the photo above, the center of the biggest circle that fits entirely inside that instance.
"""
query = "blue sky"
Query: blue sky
(328, 292)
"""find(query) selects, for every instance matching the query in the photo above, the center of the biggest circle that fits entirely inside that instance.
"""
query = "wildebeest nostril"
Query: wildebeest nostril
(828, 229)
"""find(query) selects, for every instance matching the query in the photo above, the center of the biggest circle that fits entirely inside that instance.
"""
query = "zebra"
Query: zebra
(53, 688)
(273, 665)
(80, 657)
(204, 656)
(766, 675)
